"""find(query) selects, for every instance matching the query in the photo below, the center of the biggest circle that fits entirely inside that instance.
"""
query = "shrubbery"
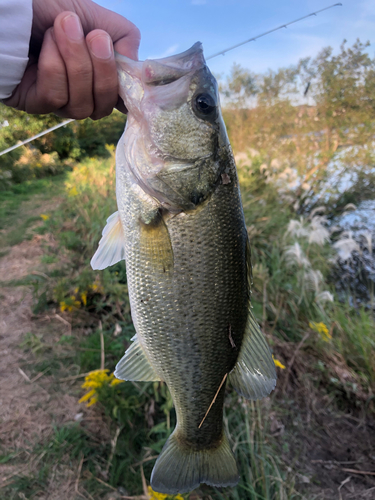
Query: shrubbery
(55, 152)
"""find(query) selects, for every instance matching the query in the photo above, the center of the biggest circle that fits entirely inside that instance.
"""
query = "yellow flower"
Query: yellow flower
(278, 363)
(75, 303)
(115, 381)
(321, 329)
(69, 304)
(44, 216)
(93, 381)
(84, 298)
(154, 495)
(73, 191)
(92, 402)
(97, 287)
(89, 395)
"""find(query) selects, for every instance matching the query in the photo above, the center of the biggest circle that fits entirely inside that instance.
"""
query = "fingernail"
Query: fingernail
(72, 27)
(101, 46)
(52, 31)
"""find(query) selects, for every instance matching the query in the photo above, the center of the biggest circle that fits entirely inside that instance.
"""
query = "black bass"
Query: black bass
(180, 228)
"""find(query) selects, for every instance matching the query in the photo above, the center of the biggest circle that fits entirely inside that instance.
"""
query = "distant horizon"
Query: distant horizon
(169, 27)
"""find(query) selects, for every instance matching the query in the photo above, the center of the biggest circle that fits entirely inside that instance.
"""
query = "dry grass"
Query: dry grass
(28, 410)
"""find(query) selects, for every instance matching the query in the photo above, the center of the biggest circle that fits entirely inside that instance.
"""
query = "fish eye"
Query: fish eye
(205, 104)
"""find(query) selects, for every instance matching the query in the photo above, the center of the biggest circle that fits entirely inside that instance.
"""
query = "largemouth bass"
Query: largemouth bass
(180, 228)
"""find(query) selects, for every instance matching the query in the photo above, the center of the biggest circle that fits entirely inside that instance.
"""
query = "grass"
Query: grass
(15, 195)
(19, 208)
(66, 445)
(355, 340)
(263, 474)
(136, 419)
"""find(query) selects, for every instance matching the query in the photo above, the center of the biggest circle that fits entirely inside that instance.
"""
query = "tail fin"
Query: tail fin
(180, 469)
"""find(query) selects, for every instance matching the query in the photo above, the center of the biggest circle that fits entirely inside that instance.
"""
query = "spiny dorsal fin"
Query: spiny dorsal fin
(254, 375)
(111, 247)
(135, 366)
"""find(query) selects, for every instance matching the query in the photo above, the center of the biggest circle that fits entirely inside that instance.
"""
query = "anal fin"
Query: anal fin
(111, 247)
(135, 366)
(254, 375)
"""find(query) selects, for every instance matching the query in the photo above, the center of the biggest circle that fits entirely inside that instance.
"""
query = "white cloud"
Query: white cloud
(168, 52)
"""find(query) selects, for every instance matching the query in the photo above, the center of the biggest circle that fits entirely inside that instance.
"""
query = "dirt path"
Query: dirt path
(30, 404)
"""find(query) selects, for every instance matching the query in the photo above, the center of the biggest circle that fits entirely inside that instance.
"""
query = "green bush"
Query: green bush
(56, 151)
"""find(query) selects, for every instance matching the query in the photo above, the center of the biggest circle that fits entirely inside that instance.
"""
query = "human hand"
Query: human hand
(72, 70)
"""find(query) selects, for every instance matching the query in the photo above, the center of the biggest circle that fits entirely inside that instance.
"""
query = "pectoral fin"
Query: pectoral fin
(135, 365)
(254, 375)
(112, 245)
(156, 244)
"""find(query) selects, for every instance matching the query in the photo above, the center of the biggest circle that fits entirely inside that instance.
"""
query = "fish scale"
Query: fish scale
(194, 337)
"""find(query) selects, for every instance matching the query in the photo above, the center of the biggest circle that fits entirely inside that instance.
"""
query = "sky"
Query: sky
(172, 26)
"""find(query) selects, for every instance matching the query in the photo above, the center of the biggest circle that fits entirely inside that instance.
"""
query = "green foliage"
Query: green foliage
(292, 265)
(53, 153)
(355, 340)
(284, 294)
(239, 86)
(17, 126)
(261, 470)
(92, 136)
(317, 117)
(32, 164)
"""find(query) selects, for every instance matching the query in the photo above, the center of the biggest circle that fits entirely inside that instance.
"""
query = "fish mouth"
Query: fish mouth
(166, 70)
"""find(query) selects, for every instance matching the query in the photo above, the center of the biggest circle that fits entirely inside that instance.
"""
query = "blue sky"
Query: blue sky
(172, 26)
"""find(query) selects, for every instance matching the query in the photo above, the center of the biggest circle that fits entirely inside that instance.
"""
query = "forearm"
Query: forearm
(15, 31)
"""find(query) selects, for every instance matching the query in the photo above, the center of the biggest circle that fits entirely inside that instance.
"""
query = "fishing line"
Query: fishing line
(223, 52)
(36, 136)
